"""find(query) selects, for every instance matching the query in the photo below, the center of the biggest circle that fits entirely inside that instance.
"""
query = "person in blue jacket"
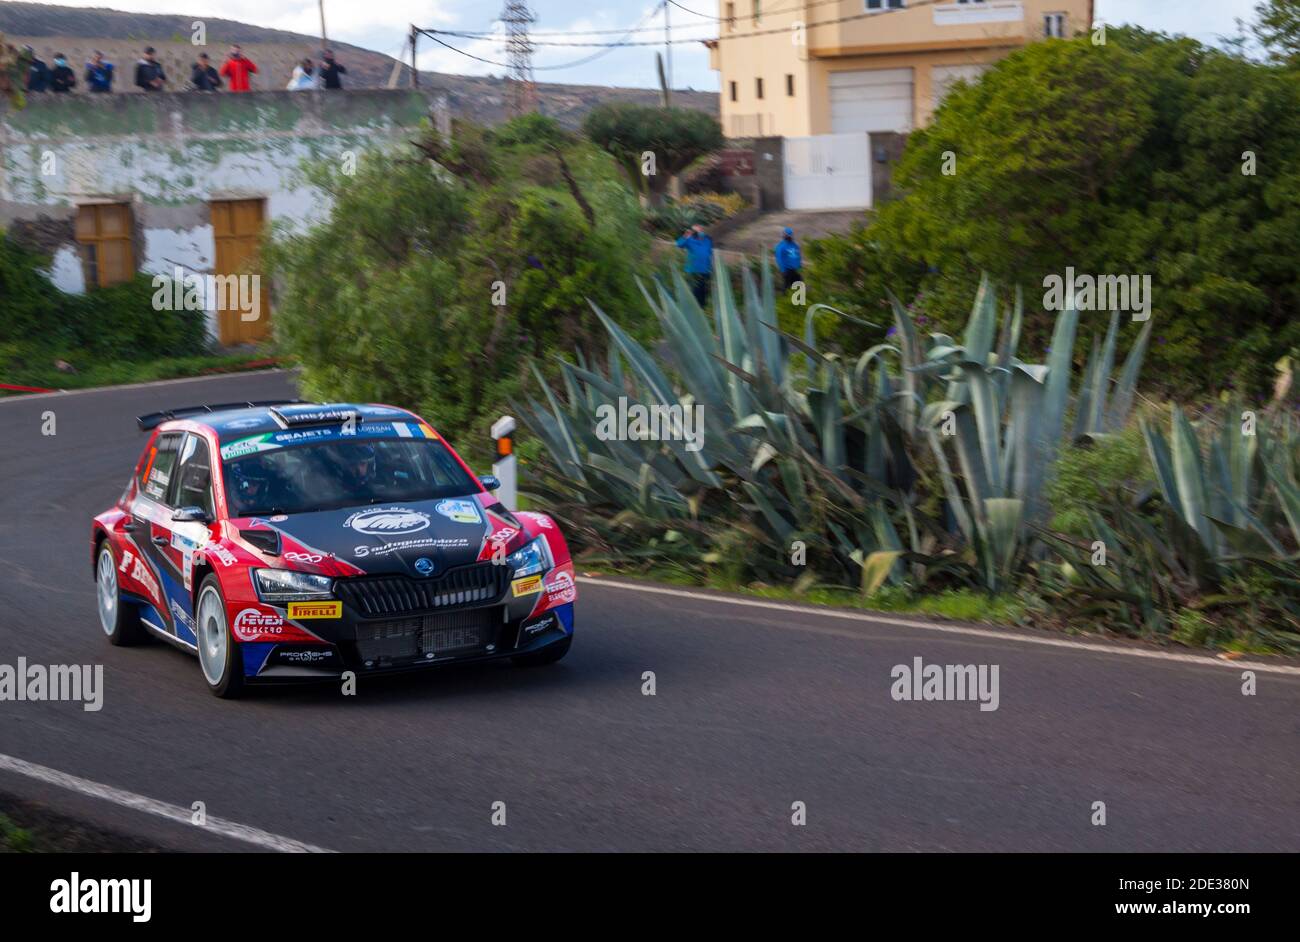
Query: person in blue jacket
(699, 261)
(789, 260)
(99, 74)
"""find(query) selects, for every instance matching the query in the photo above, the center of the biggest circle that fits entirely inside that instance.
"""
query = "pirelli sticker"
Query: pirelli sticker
(315, 610)
(526, 586)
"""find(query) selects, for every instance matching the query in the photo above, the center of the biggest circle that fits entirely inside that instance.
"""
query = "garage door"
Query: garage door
(871, 100)
(829, 171)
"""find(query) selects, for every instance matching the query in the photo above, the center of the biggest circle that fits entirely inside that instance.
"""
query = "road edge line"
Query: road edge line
(884, 619)
(62, 393)
(118, 796)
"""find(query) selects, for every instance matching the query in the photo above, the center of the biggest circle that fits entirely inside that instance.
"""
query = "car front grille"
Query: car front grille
(463, 587)
(427, 636)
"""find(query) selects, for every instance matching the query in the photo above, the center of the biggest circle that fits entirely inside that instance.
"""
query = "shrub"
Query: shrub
(676, 137)
(440, 272)
(1132, 159)
(1094, 471)
(41, 324)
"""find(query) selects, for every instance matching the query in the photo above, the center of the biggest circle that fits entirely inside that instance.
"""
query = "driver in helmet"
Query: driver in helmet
(357, 467)
(252, 485)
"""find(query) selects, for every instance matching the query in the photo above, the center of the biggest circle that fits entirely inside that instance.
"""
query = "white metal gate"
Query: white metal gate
(828, 171)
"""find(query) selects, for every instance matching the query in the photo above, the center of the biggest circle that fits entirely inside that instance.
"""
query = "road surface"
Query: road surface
(755, 709)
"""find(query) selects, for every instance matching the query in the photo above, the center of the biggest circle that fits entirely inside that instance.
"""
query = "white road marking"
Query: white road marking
(61, 393)
(1095, 648)
(230, 829)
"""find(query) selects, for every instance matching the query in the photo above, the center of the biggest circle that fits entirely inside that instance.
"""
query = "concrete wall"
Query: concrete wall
(169, 154)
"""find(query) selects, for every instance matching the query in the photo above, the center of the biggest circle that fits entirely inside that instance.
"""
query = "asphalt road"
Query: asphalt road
(755, 709)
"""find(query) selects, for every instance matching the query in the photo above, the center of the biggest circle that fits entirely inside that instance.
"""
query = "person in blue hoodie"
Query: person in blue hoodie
(699, 261)
(99, 74)
(789, 260)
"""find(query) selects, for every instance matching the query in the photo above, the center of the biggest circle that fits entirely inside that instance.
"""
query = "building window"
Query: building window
(734, 96)
(105, 231)
(888, 4)
(731, 16)
(1054, 25)
(789, 85)
(758, 88)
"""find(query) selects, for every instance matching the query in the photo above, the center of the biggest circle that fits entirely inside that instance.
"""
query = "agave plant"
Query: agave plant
(1004, 419)
(1235, 495)
(804, 445)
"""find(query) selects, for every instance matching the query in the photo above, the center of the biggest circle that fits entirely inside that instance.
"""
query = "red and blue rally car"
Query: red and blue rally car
(287, 541)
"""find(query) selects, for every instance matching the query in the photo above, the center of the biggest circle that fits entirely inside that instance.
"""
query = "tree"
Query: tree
(651, 144)
(1277, 27)
(13, 68)
(443, 270)
(1149, 155)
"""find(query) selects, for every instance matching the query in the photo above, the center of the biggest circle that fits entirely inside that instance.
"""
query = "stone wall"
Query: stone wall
(168, 155)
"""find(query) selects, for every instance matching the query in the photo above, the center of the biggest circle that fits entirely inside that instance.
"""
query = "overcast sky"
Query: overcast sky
(382, 25)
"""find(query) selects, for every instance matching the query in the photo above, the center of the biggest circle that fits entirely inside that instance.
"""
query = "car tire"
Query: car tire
(219, 656)
(547, 655)
(121, 623)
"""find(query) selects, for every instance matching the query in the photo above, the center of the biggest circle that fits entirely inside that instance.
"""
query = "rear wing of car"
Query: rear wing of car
(155, 419)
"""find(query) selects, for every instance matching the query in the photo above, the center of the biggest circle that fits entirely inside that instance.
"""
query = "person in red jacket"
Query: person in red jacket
(236, 70)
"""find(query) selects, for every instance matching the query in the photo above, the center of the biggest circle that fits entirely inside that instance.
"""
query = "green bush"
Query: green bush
(105, 326)
(440, 271)
(1091, 473)
(1131, 157)
(675, 216)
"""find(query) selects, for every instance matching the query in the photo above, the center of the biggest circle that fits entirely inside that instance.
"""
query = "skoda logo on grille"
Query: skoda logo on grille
(424, 565)
(388, 521)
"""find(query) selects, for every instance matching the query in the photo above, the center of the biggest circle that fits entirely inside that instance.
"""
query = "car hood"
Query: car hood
(416, 538)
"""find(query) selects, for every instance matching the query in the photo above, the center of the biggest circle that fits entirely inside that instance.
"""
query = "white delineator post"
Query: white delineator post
(504, 467)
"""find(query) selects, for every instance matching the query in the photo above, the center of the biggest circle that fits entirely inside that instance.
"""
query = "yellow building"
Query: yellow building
(798, 68)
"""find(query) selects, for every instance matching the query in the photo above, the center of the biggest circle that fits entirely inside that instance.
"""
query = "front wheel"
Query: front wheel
(547, 655)
(219, 656)
(120, 622)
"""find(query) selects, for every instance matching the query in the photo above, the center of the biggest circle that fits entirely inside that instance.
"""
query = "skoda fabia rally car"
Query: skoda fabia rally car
(284, 541)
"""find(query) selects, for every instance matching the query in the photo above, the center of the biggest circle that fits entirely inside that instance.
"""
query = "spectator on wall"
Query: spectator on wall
(38, 73)
(237, 68)
(203, 76)
(149, 73)
(62, 78)
(331, 70)
(99, 74)
(303, 78)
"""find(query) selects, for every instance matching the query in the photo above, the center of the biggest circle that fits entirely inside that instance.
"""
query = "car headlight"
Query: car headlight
(533, 558)
(285, 585)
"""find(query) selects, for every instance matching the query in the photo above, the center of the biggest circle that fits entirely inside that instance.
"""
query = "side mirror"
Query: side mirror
(191, 515)
(490, 481)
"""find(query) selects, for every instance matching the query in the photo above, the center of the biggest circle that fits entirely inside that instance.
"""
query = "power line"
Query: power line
(723, 38)
(433, 34)
(488, 34)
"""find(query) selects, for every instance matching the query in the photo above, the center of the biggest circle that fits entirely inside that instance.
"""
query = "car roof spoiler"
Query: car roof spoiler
(155, 419)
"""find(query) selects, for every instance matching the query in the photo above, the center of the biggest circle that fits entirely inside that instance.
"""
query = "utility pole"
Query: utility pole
(668, 51)
(519, 50)
(324, 42)
(415, 73)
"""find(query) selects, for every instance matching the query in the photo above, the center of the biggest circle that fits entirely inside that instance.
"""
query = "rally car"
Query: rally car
(289, 541)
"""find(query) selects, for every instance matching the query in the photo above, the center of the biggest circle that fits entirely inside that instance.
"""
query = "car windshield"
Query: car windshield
(334, 474)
